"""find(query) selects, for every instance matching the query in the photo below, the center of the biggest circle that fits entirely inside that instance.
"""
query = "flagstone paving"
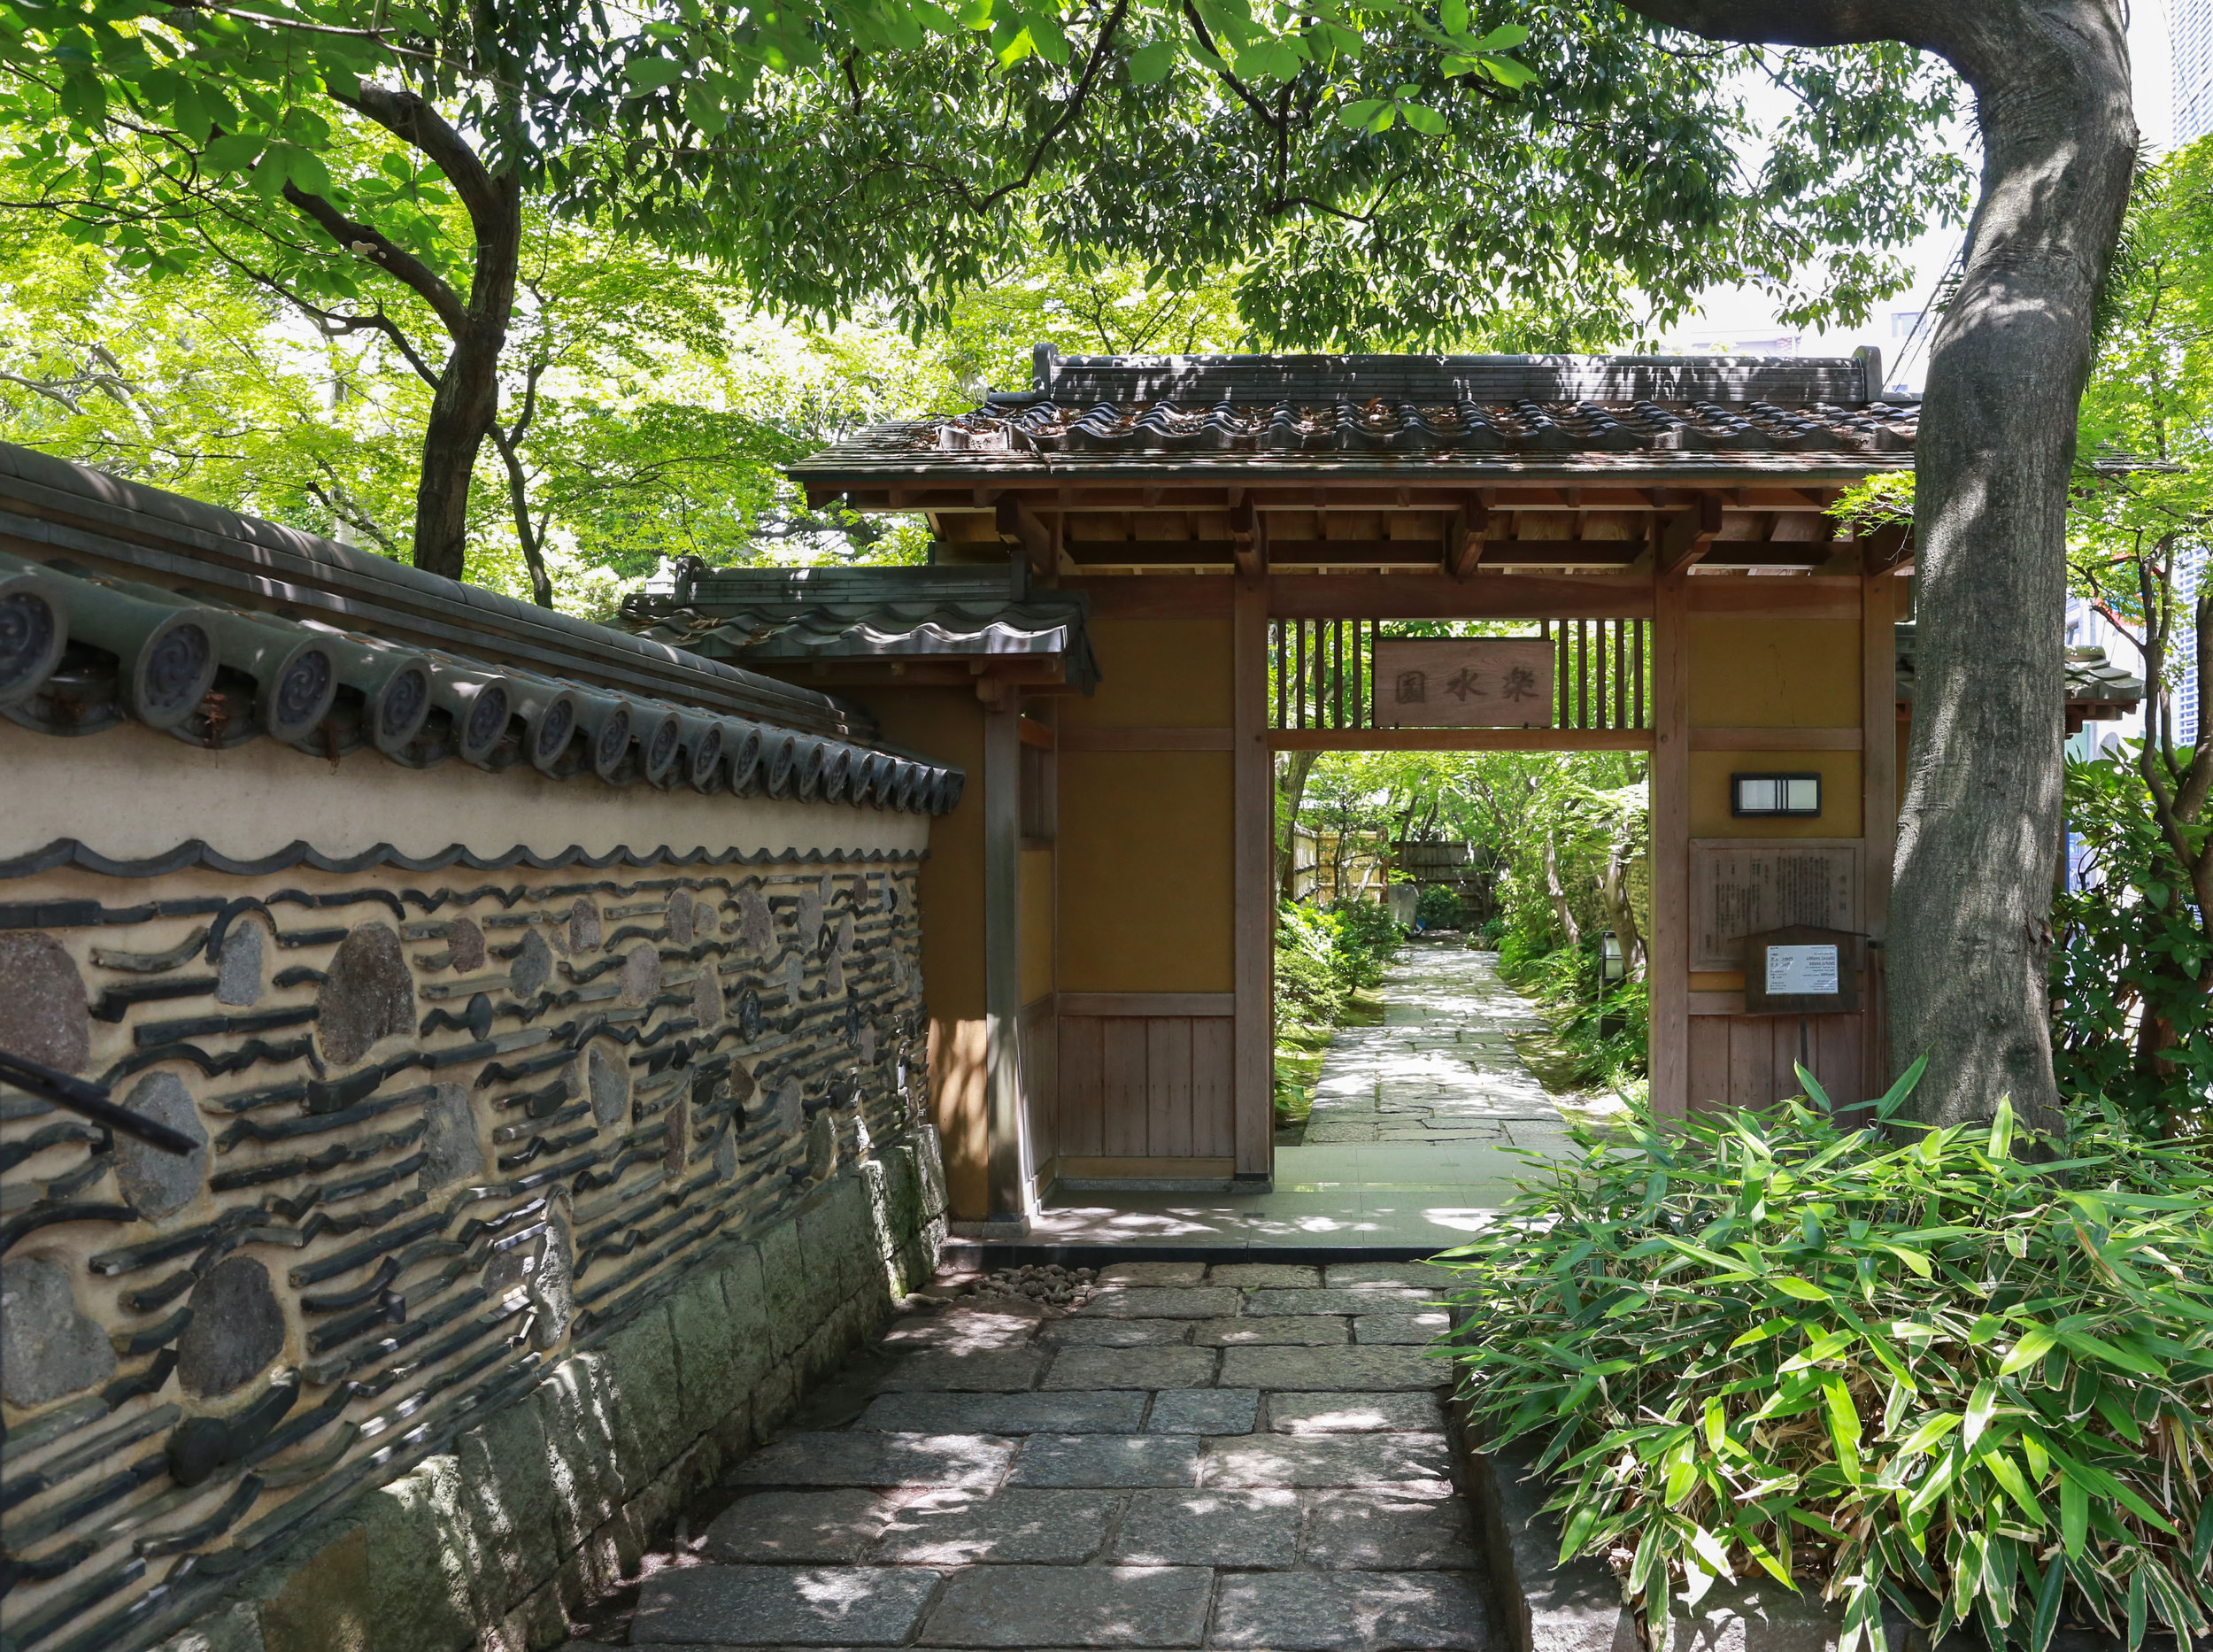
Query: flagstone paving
(1442, 1067)
(1181, 1489)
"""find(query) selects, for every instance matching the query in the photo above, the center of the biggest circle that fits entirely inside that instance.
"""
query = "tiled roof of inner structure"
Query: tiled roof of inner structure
(1499, 415)
(749, 616)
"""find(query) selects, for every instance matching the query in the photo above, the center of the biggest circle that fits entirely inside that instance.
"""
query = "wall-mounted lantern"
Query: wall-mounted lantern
(1613, 967)
(1797, 795)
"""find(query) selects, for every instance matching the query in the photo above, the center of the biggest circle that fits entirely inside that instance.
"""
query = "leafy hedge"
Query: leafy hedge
(1920, 1370)
(1322, 954)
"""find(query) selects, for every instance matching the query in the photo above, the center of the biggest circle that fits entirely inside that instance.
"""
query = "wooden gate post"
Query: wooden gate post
(1878, 813)
(1253, 892)
(1006, 1178)
(1669, 965)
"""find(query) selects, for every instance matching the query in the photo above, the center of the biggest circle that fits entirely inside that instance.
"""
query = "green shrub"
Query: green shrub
(1439, 907)
(1921, 1371)
(1366, 935)
(1308, 991)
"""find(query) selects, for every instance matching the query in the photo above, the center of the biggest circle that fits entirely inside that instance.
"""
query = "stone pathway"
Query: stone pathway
(1250, 1457)
(1440, 1069)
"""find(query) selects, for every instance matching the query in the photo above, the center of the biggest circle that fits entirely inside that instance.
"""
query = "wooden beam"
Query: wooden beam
(1465, 530)
(1670, 974)
(1252, 1037)
(1484, 596)
(1886, 547)
(1248, 540)
(1082, 737)
(1460, 740)
(1037, 734)
(1686, 537)
(1808, 596)
(1007, 1168)
(1019, 525)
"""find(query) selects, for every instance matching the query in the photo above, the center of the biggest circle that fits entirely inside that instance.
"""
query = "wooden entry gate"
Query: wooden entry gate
(1666, 524)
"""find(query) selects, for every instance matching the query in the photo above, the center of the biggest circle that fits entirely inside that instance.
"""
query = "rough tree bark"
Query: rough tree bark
(1979, 824)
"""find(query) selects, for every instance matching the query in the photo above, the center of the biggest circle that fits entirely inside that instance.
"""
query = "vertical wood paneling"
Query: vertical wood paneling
(1168, 1086)
(1212, 1089)
(1121, 1083)
(1709, 1063)
(1041, 1080)
(1083, 1068)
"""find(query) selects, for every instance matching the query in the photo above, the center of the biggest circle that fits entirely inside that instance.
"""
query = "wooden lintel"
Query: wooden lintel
(1465, 530)
(1486, 596)
(1685, 537)
(818, 496)
(1460, 739)
(1037, 734)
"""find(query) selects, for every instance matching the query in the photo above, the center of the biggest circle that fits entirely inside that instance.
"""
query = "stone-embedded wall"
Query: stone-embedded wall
(524, 1190)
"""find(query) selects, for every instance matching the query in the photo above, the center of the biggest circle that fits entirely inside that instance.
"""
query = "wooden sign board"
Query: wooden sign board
(1463, 683)
(1803, 970)
(1744, 887)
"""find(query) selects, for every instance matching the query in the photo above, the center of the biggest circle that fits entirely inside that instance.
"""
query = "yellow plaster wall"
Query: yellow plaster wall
(1786, 674)
(1145, 851)
(1037, 925)
(1156, 674)
(947, 724)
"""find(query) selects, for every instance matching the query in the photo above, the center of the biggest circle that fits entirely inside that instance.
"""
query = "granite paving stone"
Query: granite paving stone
(1116, 1333)
(1288, 1330)
(1107, 1413)
(1132, 1368)
(1211, 1528)
(1014, 1525)
(960, 1371)
(799, 1527)
(1089, 1606)
(1351, 1611)
(1249, 1274)
(978, 1461)
(957, 1332)
(1106, 1460)
(1353, 1369)
(1425, 1276)
(1419, 1527)
(1403, 1411)
(1373, 1298)
(1326, 1459)
(1141, 1302)
(782, 1605)
(1204, 1411)
(1152, 1273)
(1400, 1328)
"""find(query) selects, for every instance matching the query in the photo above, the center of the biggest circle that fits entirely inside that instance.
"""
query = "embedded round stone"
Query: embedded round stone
(821, 1145)
(679, 917)
(809, 919)
(43, 1017)
(48, 1346)
(790, 1107)
(608, 1083)
(154, 1180)
(846, 932)
(749, 1014)
(238, 974)
(366, 995)
(834, 974)
(466, 942)
(641, 974)
(794, 978)
(237, 1329)
(452, 1149)
(868, 1043)
(553, 1286)
(532, 965)
(583, 927)
(726, 1155)
(706, 996)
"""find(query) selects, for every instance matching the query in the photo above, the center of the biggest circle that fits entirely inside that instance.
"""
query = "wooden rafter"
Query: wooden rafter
(1685, 538)
(1465, 530)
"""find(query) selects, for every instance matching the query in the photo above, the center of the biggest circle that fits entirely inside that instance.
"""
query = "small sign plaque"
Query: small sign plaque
(1803, 970)
(1795, 970)
(1463, 682)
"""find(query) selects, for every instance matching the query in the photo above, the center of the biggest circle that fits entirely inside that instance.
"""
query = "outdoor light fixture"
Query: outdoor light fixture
(1612, 966)
(1774, 794)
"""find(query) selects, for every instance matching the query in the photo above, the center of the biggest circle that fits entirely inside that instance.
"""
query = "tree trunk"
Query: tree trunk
(1980, 822)
(1291, 789)
(467, 398)
(1562, 914)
